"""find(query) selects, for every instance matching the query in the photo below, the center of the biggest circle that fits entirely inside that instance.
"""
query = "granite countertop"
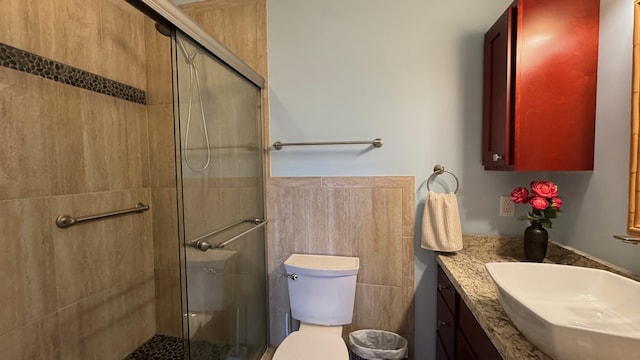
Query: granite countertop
(466, 270)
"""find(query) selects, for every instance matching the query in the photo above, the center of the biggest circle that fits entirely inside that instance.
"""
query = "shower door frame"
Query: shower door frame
(165, 12)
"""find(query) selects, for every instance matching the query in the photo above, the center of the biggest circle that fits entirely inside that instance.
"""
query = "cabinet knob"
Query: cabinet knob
(442, 323)
(497, 157)
(442, 287)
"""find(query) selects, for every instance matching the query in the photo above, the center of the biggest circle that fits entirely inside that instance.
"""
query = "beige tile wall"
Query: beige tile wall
(99, 36)
(86, 292)
(47, 272)
(240, 25)
(368, 217)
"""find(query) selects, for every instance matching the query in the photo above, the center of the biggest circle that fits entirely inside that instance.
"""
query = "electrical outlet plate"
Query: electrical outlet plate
(507, 207)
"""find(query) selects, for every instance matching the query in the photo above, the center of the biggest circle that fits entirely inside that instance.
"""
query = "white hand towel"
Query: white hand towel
(441, 229)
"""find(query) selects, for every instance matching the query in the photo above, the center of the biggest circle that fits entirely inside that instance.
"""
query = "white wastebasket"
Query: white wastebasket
(370, 344)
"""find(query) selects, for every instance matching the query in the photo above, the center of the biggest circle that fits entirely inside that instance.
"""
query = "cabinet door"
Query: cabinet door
(476, 338)
(463, 351)
(555, 84)
(441, 353)
(497, 132)
(446, 290)
(446, 327)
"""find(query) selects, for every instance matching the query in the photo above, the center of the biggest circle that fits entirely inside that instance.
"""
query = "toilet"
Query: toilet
(322, 291)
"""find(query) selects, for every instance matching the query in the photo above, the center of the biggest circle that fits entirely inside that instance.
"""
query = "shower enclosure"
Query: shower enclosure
(221, 211)
(131, 186)
(219, 180)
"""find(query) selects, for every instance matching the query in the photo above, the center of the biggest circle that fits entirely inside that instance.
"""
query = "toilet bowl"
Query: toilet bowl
(322, 294)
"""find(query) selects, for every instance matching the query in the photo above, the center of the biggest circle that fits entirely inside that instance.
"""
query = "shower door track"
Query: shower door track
(172, 14)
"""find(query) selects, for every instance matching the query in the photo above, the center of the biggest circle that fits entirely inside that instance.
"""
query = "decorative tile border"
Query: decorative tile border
(30, 63)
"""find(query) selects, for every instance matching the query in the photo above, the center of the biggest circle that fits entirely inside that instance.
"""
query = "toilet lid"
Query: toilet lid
(303, 345)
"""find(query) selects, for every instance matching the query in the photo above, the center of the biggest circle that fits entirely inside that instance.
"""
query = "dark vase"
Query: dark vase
(535, 242)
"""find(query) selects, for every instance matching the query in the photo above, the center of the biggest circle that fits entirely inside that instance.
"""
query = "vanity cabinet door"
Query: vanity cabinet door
(474, 335)
(540, 82)
(463, 349)
(459, 336)
(441, 353)
(447, 291)
(446, 328)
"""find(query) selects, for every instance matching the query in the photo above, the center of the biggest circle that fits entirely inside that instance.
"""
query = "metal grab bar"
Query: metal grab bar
(219, 230)
(201, 244)
(65, 221)
(377, 142)
(249, 146)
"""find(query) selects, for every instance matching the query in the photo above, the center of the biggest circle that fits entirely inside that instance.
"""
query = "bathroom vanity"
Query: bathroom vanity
(471, 321)
(459, 335)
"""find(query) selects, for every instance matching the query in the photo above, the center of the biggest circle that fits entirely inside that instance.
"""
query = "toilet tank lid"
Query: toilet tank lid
(322, 265)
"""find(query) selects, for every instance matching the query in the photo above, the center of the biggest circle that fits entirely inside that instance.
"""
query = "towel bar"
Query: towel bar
(64, 221)
(376, 143)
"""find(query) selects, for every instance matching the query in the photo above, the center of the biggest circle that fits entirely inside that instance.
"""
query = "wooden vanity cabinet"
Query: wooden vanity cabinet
(459, 336)
(539, 91)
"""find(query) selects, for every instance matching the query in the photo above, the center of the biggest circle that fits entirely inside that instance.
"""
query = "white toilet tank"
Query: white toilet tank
(322, 288)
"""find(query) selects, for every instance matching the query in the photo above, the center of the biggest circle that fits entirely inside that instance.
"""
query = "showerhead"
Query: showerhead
(166, 31)
(163, 29)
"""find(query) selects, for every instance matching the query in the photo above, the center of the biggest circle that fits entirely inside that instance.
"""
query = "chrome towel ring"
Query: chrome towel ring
(439, 169)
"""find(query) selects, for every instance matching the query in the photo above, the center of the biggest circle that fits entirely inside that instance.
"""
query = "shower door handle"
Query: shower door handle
(204, 245)
(258, 224)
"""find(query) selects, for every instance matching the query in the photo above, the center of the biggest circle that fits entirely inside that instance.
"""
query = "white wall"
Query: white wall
(410, 72)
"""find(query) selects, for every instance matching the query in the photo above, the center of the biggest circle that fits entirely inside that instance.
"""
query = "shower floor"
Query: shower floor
(162, 347)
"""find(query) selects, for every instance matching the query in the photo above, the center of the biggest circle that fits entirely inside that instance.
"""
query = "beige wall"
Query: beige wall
(81, 33)
(240, 25)
(368, 217)
(86, 292)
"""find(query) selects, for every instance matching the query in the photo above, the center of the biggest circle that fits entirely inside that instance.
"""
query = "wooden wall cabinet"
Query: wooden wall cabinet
(539, 93)
(459, 336)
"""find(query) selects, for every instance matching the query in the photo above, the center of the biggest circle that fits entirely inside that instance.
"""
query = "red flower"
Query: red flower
(544, 201)
(544, 188)
(520, 195)
(539, 203)
(556, 203)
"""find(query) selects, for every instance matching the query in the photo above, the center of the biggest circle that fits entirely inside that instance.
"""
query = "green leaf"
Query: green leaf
(550, 213)
(546, 223)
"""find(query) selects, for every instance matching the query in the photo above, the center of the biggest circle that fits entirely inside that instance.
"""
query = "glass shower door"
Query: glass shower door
(220, 178)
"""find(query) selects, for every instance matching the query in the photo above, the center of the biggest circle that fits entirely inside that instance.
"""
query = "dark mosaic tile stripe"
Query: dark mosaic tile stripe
(27, 62)
(162, 347)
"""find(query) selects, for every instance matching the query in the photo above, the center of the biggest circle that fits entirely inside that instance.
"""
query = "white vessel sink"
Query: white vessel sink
(571, 312)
